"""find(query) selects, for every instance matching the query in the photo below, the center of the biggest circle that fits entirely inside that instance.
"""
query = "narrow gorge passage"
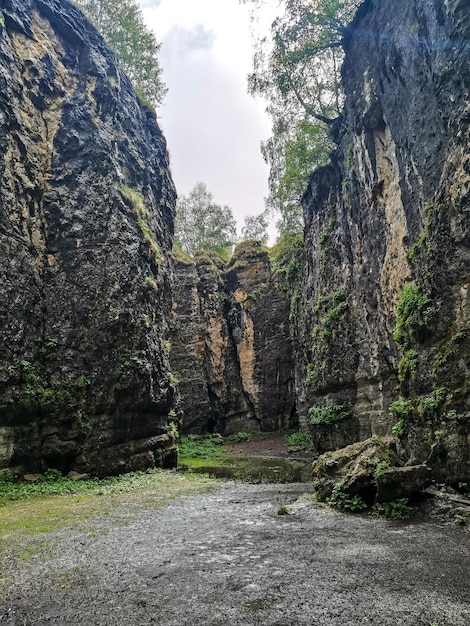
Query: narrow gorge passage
(227, 557)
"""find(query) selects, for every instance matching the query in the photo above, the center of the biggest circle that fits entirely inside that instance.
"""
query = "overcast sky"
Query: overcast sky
(212, 126)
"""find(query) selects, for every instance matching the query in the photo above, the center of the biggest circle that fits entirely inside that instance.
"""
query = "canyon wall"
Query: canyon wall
(231, 350)
(383, 339)
(86, 223)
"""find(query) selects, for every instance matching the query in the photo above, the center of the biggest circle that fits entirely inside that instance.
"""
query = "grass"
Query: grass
(30, 509)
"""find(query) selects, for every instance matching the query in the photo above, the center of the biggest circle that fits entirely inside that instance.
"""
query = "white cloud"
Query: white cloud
(180, 41)
(213, 127)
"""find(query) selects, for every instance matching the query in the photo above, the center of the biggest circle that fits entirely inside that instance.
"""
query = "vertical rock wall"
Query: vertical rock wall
(387, 234)
(86, 221)
(231, 349)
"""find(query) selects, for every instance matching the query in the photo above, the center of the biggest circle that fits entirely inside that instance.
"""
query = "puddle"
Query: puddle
(256, 470)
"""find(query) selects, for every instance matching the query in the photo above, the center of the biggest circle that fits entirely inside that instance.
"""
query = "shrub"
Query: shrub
(344, 502)
(329, 414)
(299, 441)
(414, 314)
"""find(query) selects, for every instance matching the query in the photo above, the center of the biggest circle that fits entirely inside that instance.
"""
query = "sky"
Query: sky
(212, 126)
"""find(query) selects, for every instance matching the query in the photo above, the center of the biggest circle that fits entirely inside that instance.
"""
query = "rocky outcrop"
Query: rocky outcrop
(231, 350)
(86, 220)
(386, 302)
(260, 327)
(203, 356)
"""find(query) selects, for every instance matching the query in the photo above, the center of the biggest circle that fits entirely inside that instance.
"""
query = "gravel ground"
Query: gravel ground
(226, 557)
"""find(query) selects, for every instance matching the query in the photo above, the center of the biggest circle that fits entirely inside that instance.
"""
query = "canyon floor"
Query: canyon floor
(225, 556)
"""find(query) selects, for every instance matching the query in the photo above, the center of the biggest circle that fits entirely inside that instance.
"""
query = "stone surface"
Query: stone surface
(86, 220)
(355, 468)
(393, 208)
(231, 348)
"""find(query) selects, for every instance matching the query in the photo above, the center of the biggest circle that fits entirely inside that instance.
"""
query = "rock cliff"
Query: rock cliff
(86, 221)
(231, 348)
(386, 289)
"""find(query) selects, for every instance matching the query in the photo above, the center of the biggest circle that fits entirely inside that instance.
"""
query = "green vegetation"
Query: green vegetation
(401, 408)
(255, 228)
(399, 509)
(344, 502)
(329, 414)
(54, 501)
(121, 23)
(141, 213)
(208, 448)
(282, 510)
(241, 437)
(297, 70)
(299, 441)
(325, 240)
(408, 366)
(398, 429)
(40, 393)
(203, 225)
(330, 307)
(414, 316)
(287, 256)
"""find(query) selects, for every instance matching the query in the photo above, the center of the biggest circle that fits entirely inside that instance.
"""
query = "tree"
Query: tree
(297, 69)
(256, 228)
(122, 25)
(201, 224)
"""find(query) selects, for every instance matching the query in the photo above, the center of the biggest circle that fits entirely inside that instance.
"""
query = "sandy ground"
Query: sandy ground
(226, 557)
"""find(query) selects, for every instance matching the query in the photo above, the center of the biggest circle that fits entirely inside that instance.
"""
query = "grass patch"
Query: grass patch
(28, 509)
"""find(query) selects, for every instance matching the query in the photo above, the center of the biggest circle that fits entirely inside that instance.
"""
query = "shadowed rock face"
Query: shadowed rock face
(231, 349)
(86, 221)
(392, 210)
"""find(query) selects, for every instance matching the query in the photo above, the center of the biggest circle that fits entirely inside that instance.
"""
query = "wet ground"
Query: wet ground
(226, 557)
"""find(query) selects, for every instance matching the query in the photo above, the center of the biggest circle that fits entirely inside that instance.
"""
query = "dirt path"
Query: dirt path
(227, 558)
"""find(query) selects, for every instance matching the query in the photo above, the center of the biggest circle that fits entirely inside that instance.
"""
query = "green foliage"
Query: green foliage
(255, 228)
(207, 446)
(241, 437)
(414, 314)
(122, 25)
(282, 510)
(312, 375)
(294, 150)
(54, 398)
(398, 429)
(52, 483)
(408, 365)
(141, 213)
(297, 70)
(399, 509)
(330, 307)
(287, 256)
(344, 502)
(401, 408)
(299, 441)
(329, 414)
(203, 225)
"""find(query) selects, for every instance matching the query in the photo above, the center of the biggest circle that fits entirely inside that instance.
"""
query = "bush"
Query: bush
(414, 315)
(329, 414)
(299, 441)
(344, 502)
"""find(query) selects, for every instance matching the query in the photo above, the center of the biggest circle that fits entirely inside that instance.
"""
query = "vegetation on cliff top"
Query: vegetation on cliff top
(296, 68)
(122, 25)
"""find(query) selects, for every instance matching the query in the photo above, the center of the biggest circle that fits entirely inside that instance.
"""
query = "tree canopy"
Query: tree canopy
(201, 224)
(296, 69)
(122, 25)
(255, 227)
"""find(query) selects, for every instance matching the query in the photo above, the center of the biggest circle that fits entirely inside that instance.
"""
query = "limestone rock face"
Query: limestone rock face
(393, 211)
(259, 322)
(203, 356)
(86, 221)
(231, 349)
